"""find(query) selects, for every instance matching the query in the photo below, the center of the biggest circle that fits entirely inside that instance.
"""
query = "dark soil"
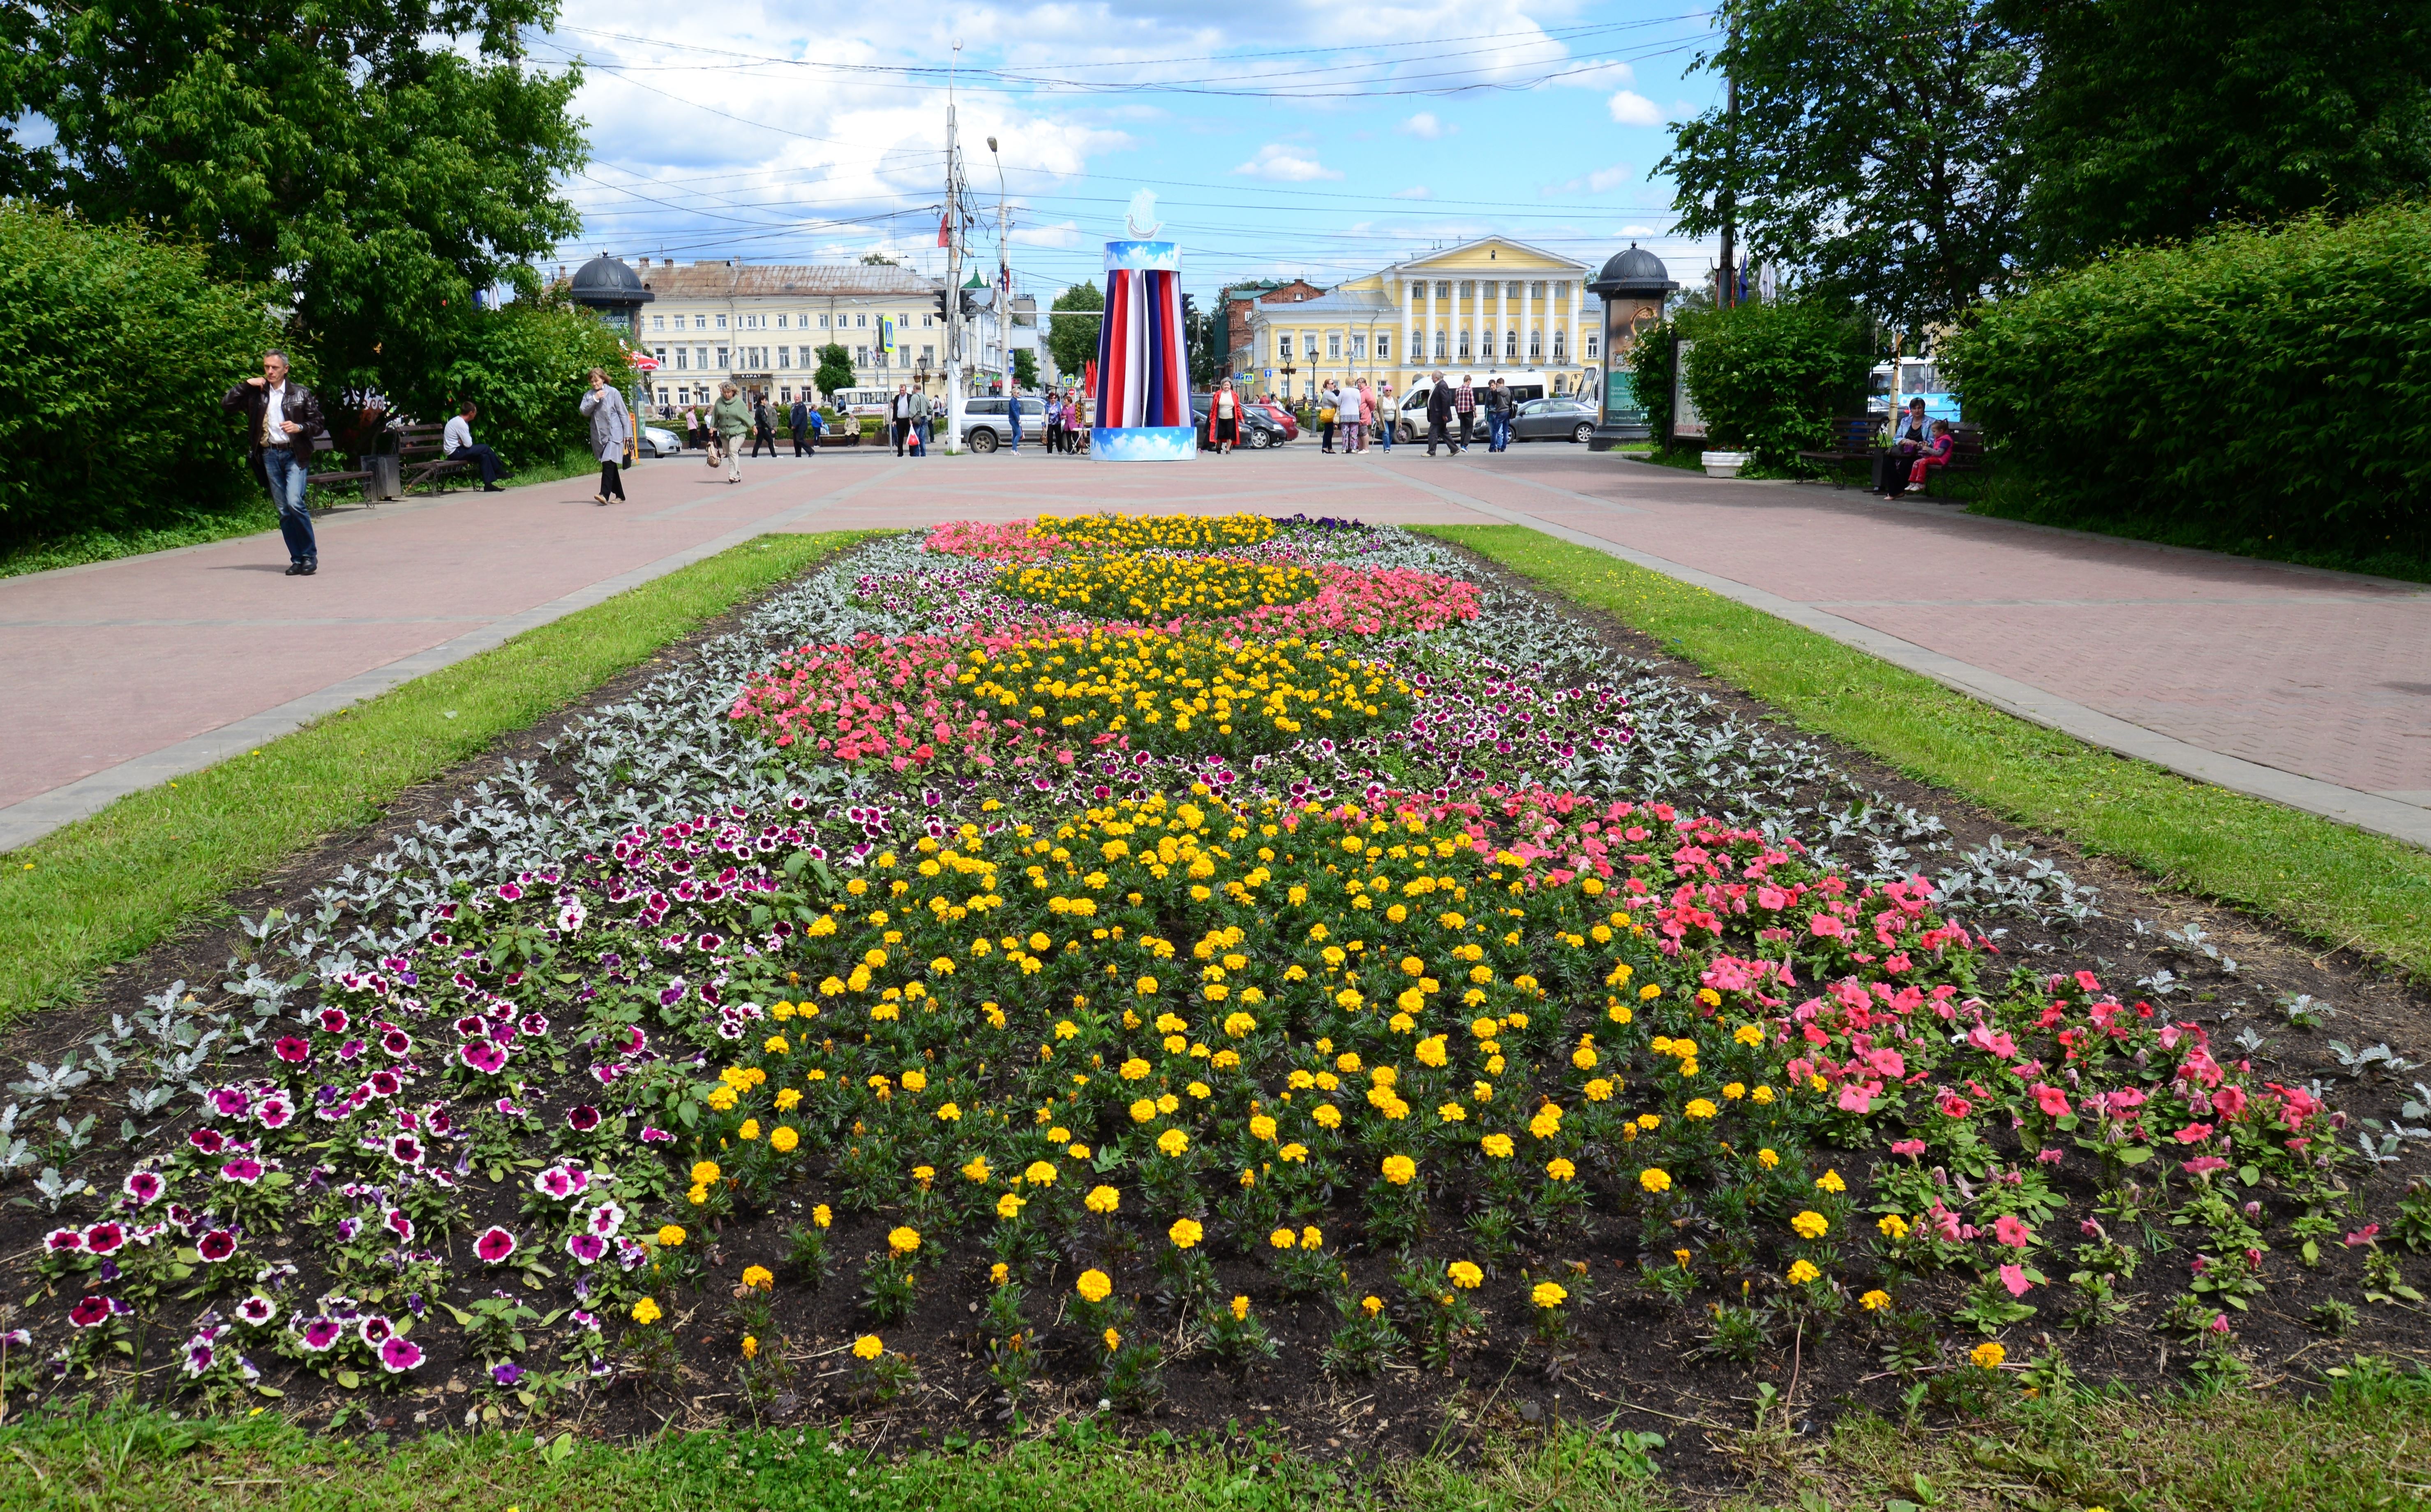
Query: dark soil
(1633, 1362)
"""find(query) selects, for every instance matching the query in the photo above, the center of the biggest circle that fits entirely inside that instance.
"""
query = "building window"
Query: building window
(823, 321)
(1537, 289)
(699, 322)
(1443, 288)
(1469, 289)
(1358, 347)
(784, 354)
(661, 355)
(1511, 345)
(805, 357)
(1464, 343)
(927, 357)
(1417, 344)
(1442, 341)
(682, 353)
(721, 322)
(1333, 346)
(1562, 289)
(860, 318)
(663, 398)
(860, 356)
(1282, 346)
(1561, 343)
(658, 322)
(1383, 348)
(1593, 346)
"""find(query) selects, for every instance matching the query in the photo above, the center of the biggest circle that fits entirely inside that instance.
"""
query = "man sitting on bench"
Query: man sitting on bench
(457, 442)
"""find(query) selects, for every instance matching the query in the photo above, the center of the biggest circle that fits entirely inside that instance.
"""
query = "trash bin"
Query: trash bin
(387, 480)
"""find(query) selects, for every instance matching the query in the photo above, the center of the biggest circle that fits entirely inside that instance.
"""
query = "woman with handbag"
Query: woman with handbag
(612, 433)
(1328, 412)
(732, 419)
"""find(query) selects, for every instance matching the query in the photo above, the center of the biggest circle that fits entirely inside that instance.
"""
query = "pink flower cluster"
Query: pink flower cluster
(879, 699)
(1008, 541)
(1367, 601)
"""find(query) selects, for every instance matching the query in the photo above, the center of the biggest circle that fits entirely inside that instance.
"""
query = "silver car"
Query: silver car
(1553, 420)
(987, 424)
(658, 441)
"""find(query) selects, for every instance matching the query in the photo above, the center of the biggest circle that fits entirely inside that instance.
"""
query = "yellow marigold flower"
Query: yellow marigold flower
(1802, 1271)
(1768, 1158)
(999, 1273)
(697, 1196)
(758, 1277)
(1683, 1256)
(1262, 1127)
(1095, 1285)
(949, 1113)
(1144, 1112)
(1103, 1200)
(1400, 1170)
(1327, 1116)
(774, 1044)
(1892, 1227)
(821, 1216)
(1584, 1057)
(1599, 1091)
(750, 1129)
(783, 1138)
(1548, 1294)
(903, 1240)
(721, 1098)
(1749, 1035)
(1239, 1024)
(869, 1347)
(1185, 1233)
(1173, 1141)
(1452, 1113)
(1650, 1121)
(1699, 1107)
(645, 1312)
(1135, 1070)
(1466, 1275)
(914, 1081)
(1039, 1173)
(1987, 1356)
(1371, 1305)
(1810, 1224)
(1733, 1091)
(1240, 1309)
(1078, 1152)
(977, 1169)
(1830, 1181)
(1875, 1301)
(1311, 1238)
(1497, 1145)
(1283, 1239)
(1560, 1169)
(750, 1347)
(1761, 1097)
(1114, 1340)
(1655, 1179)
(1009, 1206)
(788, 1099)
(1294, 1151)
(1146, 985)
(671, 1235)
(705, 1173)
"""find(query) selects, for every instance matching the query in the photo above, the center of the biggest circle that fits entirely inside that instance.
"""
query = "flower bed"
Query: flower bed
(1128, 985)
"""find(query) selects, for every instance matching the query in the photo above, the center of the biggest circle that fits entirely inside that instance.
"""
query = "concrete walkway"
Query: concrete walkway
(2310, 688)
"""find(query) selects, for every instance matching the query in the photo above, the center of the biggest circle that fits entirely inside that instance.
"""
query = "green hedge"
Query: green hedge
(1769, 378)
(2261, 388)
(117, 347)
(527, 364)
(1651, 364)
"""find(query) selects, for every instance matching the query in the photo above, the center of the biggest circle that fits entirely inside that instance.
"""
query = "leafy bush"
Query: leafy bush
(1652, 362)
(2250, 387)
(527, 364)
(118, 347)
(1769, 378)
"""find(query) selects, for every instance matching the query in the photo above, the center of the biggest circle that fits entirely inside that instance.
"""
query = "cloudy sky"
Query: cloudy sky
(1316, 139)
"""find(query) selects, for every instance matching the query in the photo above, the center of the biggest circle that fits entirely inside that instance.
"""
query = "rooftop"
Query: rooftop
(729, 279)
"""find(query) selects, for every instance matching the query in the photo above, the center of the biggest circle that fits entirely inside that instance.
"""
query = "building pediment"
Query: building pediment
(1486, 256)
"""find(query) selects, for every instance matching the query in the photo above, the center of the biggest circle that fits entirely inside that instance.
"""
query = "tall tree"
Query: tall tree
(835, 371)
(2155, 119)
(380, 159)
(1072, 331)
(1873, 154)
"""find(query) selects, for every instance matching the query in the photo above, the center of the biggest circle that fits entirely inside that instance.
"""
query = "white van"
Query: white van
(1524, 385)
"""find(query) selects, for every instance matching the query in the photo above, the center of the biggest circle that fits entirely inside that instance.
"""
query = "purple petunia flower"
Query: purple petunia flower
(257, 1309)
(583, 1118)
(199, 1356)
(399, 1355)
(506, 1373)
(320, 1333)
(495, 1244)
(481, 1056)
(586, 1248)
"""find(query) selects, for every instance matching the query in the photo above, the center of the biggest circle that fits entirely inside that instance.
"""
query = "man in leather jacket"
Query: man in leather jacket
(1439, 417)
(281, 419)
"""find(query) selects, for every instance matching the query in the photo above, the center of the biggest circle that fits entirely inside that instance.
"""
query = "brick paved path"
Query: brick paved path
(2307, 687)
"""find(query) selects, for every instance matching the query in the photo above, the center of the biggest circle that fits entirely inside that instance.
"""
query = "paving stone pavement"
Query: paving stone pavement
(2307, 687)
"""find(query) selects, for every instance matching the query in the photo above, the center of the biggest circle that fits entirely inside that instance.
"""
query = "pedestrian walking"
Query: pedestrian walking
(1074, 428)
(1012, 409)
(923, 413)
(281, 419)
(456, 443)
(1054, 422)
(732, 419)
(1354, 419)
(763, 425)
(1439, 413)
(798, 420)
(898, 415)
(1388, 420)
(1499, 406)
(1463, 404)
(1223, 418)
(612, 431)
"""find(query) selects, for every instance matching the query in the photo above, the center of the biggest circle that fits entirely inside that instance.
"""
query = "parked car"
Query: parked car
(656, 440)
(1259, 427)
(1553, 420)
(1289, 422)
(987, 424)
(1525, 386)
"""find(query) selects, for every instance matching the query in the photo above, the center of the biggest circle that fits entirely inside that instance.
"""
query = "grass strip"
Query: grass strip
(2339, 886)
(104, 888)
(2364, 1442)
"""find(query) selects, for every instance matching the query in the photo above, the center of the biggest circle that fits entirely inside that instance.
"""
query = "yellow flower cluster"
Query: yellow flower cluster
(1171, 532)
(1191, 689)
(1157, 588)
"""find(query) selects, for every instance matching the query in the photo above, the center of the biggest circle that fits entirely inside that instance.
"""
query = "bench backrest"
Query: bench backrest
(419, 442)
(1855, 433)
(1967, 443)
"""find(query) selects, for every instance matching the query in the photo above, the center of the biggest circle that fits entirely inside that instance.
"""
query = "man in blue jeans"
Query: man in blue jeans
(281, 419)
(1013, 411)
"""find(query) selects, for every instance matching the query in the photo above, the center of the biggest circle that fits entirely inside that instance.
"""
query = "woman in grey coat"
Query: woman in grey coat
(611, 428)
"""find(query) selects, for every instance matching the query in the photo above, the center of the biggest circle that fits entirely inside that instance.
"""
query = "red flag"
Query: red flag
(941, 230)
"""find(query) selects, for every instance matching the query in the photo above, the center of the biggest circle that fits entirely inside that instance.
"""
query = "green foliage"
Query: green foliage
(1652, 363)
(1025, 368)
(836, 370)
(2272, 386)
(526, 364)
(1768, 378)
(383, 161)
(1073, 343)
(2156, 118)
(1875, 151)
(118, 346)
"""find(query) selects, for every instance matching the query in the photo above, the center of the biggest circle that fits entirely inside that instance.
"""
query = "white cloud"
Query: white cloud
(1280, 164)
(1603, 182)
(1416, 191)
(1638, 230)
(1425, 126)
(1614, 76)
(1634, 109)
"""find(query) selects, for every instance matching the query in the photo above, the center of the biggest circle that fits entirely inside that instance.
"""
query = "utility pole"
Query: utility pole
(953, 267)
(1003, 273)
(1726, 289)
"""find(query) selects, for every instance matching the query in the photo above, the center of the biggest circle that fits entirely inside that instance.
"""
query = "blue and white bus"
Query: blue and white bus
(1896, 382)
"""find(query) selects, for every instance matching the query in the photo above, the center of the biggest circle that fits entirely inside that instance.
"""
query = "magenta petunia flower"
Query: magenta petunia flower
(374, 1330)
(89, 1311)
(243, 1168)
(385, 1083)
(64, 1240)
(145, 1187)
(495, 1244)
(207, 1140)
(334, 1021)
(320, 1333)
(398, 1042)
(586, 1248)
(398, 1224)
(230, 1102)
(481, 1056)
(399, 1355)
(257, 1309)
(291, 1049)
(583, 1118)
(216, 1246)
(199, 1356)
(274, 1111)
(405, 1150)
(105, 1238)
(606, 1219)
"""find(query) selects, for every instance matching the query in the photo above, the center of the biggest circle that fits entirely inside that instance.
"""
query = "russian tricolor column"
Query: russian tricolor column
(1142, 396)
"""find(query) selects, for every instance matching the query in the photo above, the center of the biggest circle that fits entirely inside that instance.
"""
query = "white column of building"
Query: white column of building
(1409, 316)
(1501, 313)
(1434, 323)
(1577, 348)
(1527, 320)
(1452, 340)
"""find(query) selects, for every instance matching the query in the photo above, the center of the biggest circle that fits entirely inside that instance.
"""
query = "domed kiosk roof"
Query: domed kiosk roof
(606, 280)
(1632, 271)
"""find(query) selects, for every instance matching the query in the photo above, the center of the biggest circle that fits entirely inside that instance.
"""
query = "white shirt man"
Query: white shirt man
(456, 443)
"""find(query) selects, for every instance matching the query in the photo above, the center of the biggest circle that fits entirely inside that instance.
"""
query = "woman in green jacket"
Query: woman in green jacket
(732, 419)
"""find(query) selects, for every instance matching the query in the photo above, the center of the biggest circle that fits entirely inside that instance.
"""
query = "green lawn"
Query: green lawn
(106, 888)
(2339, 886)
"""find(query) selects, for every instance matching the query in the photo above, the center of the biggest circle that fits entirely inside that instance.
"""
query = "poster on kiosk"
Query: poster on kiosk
(1142, 408)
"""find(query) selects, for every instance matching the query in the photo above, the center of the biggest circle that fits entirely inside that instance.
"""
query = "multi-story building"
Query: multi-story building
(1494, 304)
(1233, 305)
(760, 326)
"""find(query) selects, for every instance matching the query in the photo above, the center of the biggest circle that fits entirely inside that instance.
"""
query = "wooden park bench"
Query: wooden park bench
(323, 443)
(1852, 439)
(422, 456)
(1966, 455)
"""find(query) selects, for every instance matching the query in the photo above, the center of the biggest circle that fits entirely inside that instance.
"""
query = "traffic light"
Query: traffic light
(945, 305)
(971, 301)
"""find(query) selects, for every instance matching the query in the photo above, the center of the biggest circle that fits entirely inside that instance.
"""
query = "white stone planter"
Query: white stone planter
(1722, 464)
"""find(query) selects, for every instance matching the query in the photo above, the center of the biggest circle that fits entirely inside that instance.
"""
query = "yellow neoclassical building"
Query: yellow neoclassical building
(1490, 306)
